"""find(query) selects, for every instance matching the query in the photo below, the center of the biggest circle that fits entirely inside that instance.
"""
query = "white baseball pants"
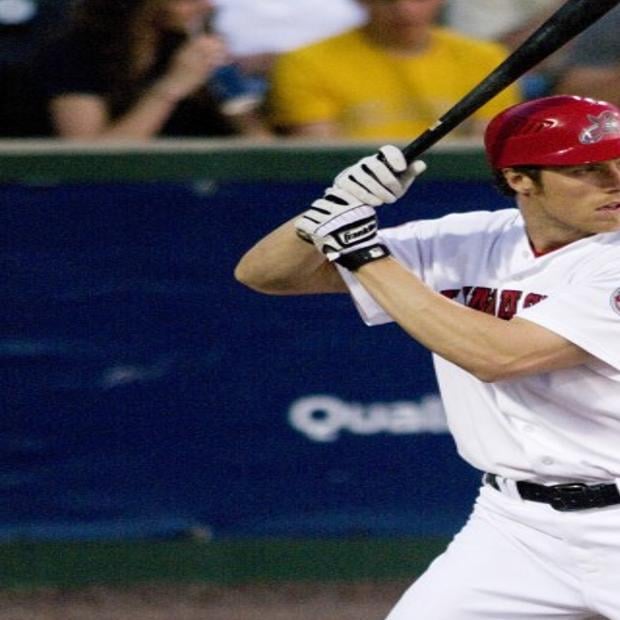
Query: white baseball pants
(518, 560)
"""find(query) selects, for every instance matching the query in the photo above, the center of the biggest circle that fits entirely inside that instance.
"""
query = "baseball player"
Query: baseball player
(521, 309)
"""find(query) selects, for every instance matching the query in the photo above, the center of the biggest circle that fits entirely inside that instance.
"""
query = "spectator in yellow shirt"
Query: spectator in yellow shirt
(391, 78)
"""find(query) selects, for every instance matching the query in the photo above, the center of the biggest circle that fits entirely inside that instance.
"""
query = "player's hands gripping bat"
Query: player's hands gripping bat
(343, 222)
(380, 179)
(338, 223)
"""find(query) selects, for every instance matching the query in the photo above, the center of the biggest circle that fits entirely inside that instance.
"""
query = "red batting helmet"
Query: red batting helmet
(562, 130)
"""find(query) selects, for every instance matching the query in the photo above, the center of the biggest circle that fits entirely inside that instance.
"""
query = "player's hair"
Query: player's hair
(501, 184)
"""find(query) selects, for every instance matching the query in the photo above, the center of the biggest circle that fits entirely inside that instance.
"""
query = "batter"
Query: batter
(521, 309)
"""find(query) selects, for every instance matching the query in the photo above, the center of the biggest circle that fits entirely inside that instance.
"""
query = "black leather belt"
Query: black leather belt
(564, 497)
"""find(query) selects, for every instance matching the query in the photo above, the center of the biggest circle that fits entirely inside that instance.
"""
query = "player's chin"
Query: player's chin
(606, 227)
(607, 220)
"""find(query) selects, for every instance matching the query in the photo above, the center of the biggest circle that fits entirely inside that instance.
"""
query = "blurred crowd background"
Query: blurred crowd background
(350, 69)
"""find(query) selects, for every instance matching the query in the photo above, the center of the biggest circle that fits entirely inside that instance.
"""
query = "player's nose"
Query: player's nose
(612, 174)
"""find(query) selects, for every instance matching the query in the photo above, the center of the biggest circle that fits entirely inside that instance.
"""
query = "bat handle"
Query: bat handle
(422, 143)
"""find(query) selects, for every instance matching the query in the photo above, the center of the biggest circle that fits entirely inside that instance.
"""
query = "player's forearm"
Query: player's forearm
(488, 347)
(282, 264)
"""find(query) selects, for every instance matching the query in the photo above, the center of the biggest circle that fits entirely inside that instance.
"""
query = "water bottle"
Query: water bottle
(235, 91)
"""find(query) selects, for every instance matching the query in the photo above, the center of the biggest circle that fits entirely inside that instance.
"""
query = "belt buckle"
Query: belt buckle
(572, 496)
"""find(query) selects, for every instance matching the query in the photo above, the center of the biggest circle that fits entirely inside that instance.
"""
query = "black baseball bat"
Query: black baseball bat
(572, 18)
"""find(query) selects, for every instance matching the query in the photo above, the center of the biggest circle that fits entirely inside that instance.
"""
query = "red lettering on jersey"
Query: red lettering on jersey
(532, 299)
(615, 301)
(451, 293)
(508, 304)
(483, 299)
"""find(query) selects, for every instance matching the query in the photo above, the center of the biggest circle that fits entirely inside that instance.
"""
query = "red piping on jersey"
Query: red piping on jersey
(538, 253)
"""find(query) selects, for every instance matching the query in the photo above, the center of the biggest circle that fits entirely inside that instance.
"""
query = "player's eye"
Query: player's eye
(581, 170)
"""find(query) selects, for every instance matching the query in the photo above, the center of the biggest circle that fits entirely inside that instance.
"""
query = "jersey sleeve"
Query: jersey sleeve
(406, 243)
(586, 313)
(369, 310)
(436, 251)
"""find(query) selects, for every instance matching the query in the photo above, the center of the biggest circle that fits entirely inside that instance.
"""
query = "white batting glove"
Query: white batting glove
(338, 224)
(381, 178)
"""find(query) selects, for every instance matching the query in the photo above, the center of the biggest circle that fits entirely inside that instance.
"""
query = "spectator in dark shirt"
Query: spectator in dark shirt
(24, 25)
(138, 69)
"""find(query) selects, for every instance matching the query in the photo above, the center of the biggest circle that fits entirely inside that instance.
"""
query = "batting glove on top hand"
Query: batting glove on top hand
(340, 225)
(381, 178)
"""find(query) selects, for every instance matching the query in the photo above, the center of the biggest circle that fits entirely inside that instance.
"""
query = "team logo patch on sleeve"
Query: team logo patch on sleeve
(615, 301)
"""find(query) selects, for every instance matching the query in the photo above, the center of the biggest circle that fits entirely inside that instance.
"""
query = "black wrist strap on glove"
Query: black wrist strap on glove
(355, 259)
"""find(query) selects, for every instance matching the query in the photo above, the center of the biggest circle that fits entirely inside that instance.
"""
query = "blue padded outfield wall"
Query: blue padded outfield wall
(147, 394)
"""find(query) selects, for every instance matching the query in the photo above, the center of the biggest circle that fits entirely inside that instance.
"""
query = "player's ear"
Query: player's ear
(519, 181)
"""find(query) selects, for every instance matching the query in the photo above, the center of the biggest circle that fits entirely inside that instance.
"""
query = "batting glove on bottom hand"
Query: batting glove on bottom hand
(381, 178)
(340, 225)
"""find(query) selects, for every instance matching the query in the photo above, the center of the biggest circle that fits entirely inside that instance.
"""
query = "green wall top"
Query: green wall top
(44, 161)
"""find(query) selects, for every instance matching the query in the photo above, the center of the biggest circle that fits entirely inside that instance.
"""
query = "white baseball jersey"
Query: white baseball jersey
(551, 427)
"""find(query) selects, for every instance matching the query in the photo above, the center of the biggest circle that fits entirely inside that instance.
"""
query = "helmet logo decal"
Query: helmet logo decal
(604, 124)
